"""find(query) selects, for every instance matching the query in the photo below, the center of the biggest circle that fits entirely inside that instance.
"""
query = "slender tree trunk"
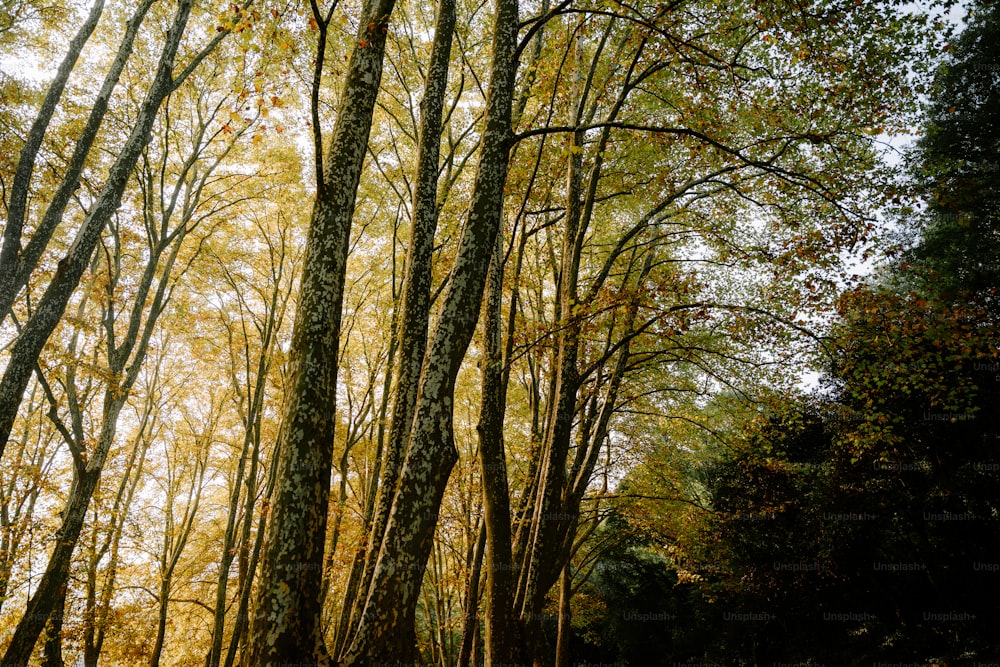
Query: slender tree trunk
(161, 623)
(32, 338)
(16, 265)
(565, 616)
(97, 610)
(386, 632)
(502, 636)
(10, 252)
(174, 544)
(287, 626)
(249, 558)
(470, 625)
(416, 298)
(549, 517)
(234, 539)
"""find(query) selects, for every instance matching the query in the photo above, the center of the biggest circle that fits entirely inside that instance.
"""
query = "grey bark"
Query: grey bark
(18, 265)
(416, 300)
(386, 632)
(287, 626)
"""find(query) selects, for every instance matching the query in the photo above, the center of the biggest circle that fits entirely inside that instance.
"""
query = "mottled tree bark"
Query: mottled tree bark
(386, 632)
(287, 626)
(415, 311)
(36, 331)
(503, 640)
(52, 655)
(17, 264)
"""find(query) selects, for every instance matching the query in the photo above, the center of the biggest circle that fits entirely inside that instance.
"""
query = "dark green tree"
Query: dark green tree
(957, 166)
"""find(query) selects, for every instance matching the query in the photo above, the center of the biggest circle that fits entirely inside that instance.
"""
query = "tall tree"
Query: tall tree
(957, 160)
(287, 624)
(415, 310)
(386, 631)
(51, 306)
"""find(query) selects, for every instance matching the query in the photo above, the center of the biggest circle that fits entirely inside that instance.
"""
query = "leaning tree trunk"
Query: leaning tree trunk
(287, 626)
(37, 330)
(387, 629)
(50, 308)
(11, 257)
(17, 264)
(415, 312)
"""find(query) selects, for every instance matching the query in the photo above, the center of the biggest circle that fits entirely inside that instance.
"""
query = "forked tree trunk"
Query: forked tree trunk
(287, 626)
(416, 308)
(386, 632)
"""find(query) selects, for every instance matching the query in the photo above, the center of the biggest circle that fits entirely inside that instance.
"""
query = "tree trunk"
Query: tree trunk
(386, 631)
(52, 305)
(235, 539)
(549, 517)
(52, 651)
(16, 265)
(287, 626)
(470, 625)
(565, 617)
(248, 559)
(503, 643)
(416, 301)
(96, 612)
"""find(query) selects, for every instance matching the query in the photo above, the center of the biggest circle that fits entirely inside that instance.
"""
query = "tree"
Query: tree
(415, 313)
(176, 194)
(50, 308)
(386, 630)
(955, 165)
(287, 623)
(662, 197)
